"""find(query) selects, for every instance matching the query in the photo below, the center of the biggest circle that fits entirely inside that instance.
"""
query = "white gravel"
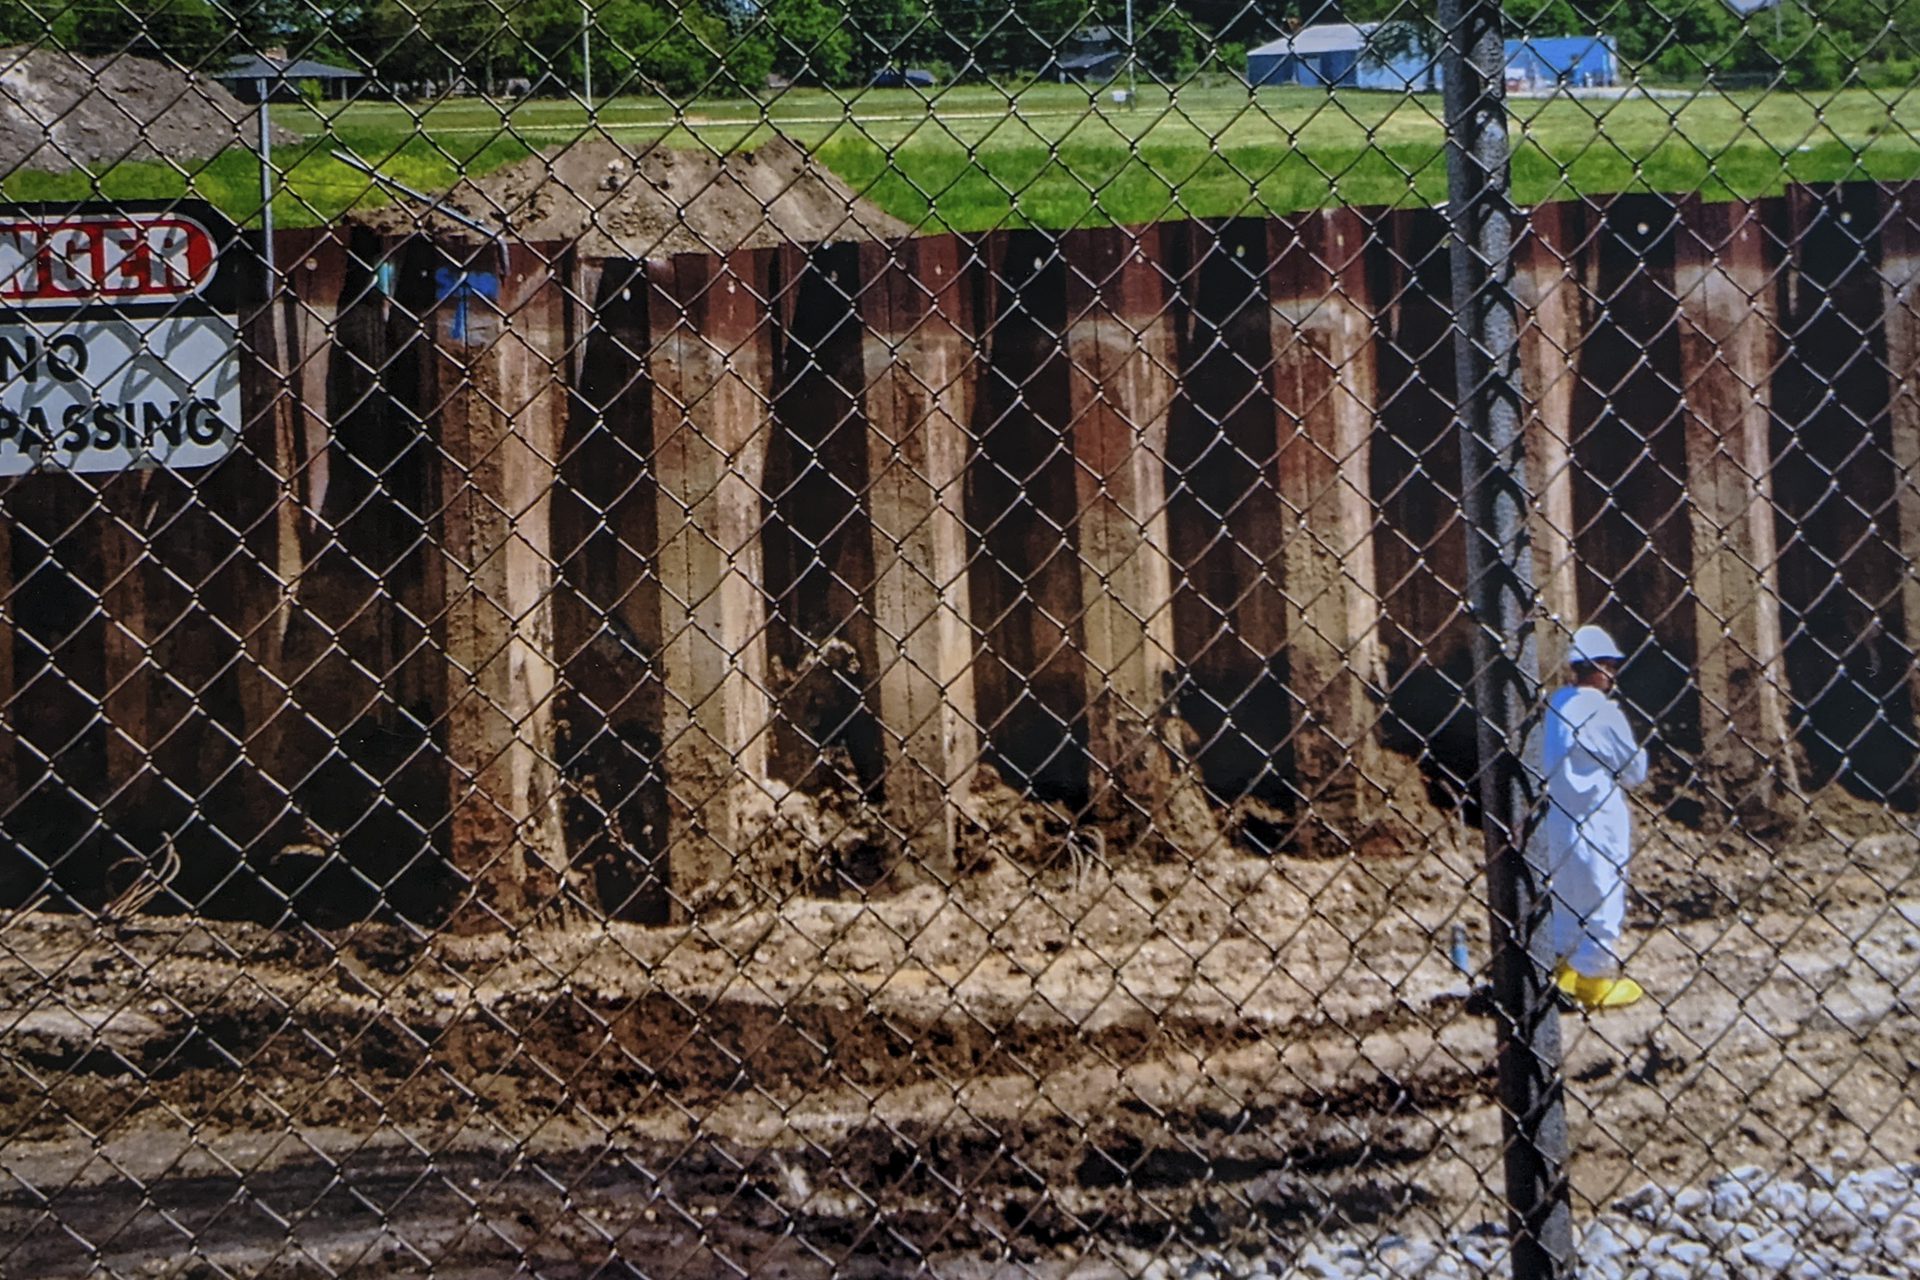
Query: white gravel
(1748, 1224)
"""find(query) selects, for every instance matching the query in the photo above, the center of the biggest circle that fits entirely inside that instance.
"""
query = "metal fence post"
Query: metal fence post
(1501, 597)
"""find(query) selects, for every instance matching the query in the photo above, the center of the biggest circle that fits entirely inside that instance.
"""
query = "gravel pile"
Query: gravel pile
(60, 111)
(1748, 1224)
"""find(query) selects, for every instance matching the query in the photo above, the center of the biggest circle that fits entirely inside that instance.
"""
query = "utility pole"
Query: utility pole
(1132, 87)
(265, 89)
(1502, 601)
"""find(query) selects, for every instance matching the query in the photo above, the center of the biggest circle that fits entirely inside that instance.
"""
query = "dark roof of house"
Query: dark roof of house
(257, 68)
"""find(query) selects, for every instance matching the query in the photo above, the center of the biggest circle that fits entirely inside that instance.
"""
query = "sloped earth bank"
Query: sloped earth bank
(1235, 1058)
(61, 111)
(654, 200)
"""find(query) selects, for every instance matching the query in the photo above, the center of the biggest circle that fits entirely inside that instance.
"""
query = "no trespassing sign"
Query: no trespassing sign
(119, 339)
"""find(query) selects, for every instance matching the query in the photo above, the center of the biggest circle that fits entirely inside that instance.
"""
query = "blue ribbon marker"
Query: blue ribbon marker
(462, 285)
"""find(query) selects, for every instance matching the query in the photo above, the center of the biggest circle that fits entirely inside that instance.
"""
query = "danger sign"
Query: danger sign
(103, 258)
(119, 339)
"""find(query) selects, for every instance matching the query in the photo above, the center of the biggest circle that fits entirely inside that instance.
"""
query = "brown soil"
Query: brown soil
(1069, 1064)
(614, 202)
(60, 111)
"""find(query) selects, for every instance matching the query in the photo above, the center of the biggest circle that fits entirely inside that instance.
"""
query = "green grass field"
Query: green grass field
(974, 157)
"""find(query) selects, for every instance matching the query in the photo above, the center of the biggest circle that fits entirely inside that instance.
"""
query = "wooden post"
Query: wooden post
(1549, 291)
(496, 343)
(264, 483)
(318, 278)
(712, 372)
(1727, 342)
(1899, 264)
(1121, 378)
(919, 372)
(127, 633)
(1324, 386)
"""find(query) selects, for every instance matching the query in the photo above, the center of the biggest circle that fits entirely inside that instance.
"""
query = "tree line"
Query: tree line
(685, 48)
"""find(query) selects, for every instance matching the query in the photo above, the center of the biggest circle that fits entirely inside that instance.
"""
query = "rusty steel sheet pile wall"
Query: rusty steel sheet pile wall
(547, 581)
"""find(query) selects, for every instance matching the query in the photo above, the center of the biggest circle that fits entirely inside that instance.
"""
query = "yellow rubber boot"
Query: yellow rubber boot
(1605, 993)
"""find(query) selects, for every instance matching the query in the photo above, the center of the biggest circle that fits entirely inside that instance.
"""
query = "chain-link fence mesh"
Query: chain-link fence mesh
(845, 637)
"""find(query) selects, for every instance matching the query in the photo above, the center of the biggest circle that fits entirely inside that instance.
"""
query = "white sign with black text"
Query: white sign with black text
(107, 395)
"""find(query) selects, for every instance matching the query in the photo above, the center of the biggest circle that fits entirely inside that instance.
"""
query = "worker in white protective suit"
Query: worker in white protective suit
(1591, 759)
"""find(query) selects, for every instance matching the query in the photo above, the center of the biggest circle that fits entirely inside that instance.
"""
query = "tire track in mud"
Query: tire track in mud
(884, 1195)
(710, 1128)
(1060, 1133)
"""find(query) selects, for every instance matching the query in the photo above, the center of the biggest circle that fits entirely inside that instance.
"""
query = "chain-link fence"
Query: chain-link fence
(923, 637)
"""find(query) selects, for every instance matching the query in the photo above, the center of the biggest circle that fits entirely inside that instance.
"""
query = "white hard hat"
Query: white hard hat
(1591, 644)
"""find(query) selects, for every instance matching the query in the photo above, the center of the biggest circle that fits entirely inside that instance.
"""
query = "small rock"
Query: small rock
(1786, 1199)
(1600, 1241)
(1316, 1263)
(1771, 1253)
(1648, 1198)
(1688, 1253)
(1731, 1200)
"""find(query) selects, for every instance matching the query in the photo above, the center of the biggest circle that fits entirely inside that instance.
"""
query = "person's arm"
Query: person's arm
(1609, 738)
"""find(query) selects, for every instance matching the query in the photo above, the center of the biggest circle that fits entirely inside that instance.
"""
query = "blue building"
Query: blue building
(1540, 62)
(1327, 55)
(1368, 55)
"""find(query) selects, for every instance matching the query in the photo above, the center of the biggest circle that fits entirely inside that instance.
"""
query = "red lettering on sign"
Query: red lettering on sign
(60, 261)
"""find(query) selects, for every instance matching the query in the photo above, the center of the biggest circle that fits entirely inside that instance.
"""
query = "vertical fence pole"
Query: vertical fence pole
(9, 687)
(1500, 597)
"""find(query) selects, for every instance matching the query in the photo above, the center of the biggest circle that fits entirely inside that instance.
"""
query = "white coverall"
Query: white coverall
(1590, 758)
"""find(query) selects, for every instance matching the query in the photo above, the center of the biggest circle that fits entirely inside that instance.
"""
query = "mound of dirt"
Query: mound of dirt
(60, 111)
(655, 201)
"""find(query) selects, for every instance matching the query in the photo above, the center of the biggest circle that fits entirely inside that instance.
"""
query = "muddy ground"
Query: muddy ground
(1048, 1072)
